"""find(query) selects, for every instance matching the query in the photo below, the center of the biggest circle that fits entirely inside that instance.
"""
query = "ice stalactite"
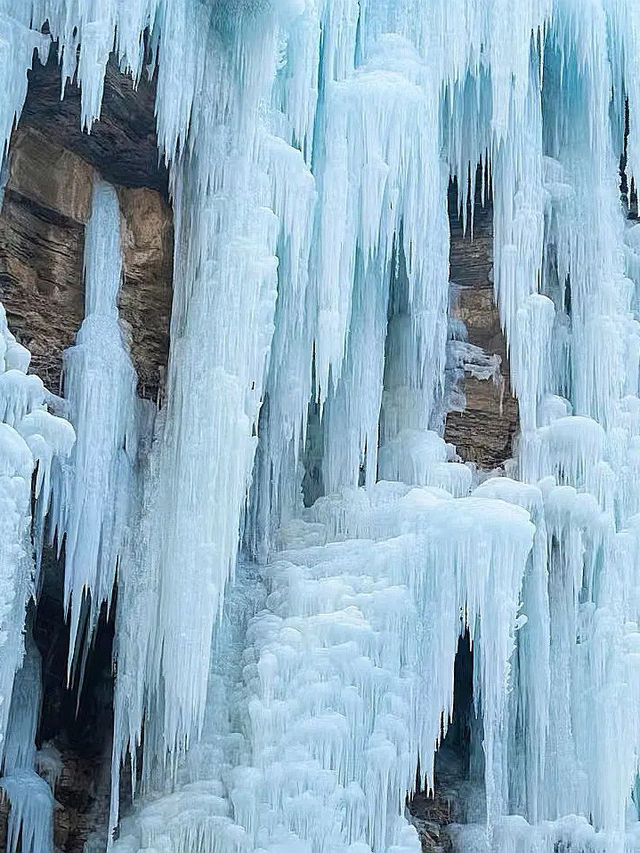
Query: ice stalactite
(31, 817)
(215, 385)
(30, 797)
(227, 233)
(20, 395)
(91, 497)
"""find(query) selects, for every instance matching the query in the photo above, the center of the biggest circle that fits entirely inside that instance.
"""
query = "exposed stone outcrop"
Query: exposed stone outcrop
(484, 432)
(46, 205)
(122, 145)
(145, 297)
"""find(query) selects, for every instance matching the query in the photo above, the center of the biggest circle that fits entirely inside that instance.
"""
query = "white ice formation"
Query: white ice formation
(30, 826)
(91, 505)
(285, 666)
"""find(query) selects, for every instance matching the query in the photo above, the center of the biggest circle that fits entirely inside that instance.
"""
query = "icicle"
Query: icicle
(100, 386)
(30, 797)
(31, 815)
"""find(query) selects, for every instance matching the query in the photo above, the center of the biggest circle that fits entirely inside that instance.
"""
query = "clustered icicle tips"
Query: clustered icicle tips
(351, 634)
(311, 143)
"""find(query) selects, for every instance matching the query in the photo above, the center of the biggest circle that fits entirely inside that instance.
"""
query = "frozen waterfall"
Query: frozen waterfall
(283, 664)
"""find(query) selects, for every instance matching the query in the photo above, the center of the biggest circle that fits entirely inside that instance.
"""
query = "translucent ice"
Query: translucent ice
(100, 386)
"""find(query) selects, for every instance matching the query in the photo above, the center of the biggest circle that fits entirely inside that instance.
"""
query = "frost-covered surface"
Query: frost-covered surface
(310, 144)
(33, 442)
(31, 439)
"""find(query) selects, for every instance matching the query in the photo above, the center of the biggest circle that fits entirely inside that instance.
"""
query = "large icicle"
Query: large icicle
(31, 800)
(92, 500)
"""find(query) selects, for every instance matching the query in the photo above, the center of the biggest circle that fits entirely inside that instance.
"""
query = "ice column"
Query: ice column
(225, 287)
(30, 797)
(92, 500)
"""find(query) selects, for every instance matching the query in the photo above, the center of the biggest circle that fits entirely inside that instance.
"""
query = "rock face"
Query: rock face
(46, 203)
(52, 166)
(122, 145)
(484, 432)
(145, 297)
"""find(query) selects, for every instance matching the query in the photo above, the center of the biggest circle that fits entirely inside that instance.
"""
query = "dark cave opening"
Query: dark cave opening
(76, 720)
(628, 188)
(459, 768)
(75, 723)
(72, 710)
